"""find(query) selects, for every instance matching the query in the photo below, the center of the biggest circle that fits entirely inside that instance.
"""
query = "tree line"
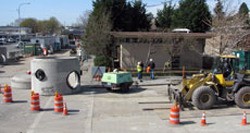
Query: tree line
(122, 15)
(126, 15)
(50, 26)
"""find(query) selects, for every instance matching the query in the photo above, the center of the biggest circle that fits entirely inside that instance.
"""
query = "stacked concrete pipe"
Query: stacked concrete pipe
(55, 74)
(21, 81)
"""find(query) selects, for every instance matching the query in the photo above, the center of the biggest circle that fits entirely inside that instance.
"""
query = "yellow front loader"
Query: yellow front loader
(203, 90)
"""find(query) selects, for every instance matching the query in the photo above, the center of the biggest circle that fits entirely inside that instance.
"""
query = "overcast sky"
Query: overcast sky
(68, 11)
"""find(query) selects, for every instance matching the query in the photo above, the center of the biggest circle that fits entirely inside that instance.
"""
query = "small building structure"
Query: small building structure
(179, 49)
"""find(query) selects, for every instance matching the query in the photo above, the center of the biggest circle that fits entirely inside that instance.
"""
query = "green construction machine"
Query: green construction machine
(244, 59)
(225, 82)
(117, 81)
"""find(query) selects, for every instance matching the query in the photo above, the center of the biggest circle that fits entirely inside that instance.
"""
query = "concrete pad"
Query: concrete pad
(96, 110)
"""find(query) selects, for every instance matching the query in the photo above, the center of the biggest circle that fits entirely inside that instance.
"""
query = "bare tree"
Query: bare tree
(82, 20)
(175, 47)
(228, 28)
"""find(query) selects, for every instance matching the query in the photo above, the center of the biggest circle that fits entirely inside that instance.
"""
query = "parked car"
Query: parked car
(10, 40)
(3, 41)
(20, 44)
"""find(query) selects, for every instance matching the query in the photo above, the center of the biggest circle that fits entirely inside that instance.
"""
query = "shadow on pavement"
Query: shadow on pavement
(187, 122)
(98, 89)
(153, 109)
(73, 110)
(19, 101)
(48, 109)
(223, 105)
(12, 62)
(134, 90)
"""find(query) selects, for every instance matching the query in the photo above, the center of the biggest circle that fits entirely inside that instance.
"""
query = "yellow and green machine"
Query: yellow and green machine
(226, 82)
(244, 60)
(117, 81)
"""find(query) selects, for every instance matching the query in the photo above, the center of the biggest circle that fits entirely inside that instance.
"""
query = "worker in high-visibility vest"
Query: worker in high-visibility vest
(139, 70)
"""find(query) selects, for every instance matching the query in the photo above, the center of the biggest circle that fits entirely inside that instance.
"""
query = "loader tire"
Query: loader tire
(125, 87)
(242, 97)
(203, 97)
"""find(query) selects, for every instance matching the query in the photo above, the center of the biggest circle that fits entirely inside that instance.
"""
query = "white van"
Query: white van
(181, 30)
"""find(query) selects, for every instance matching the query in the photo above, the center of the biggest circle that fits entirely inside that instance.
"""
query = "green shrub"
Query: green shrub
(101, 60)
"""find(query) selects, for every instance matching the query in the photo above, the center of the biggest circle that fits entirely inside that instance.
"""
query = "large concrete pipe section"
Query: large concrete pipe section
(21, 81)
(55, 74)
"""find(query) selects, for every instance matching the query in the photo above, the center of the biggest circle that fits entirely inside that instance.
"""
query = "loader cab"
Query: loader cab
(224, 70)
(226, 65)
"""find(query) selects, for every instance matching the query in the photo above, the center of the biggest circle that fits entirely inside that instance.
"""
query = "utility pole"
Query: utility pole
(19, 17)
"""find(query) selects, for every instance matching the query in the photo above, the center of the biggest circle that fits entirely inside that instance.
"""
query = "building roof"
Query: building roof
(12, 27)
(160, 35)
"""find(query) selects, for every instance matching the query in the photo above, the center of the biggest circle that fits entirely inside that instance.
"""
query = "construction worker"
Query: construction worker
(151, 64)
(139, 70)
(227, 69)
(79, 52)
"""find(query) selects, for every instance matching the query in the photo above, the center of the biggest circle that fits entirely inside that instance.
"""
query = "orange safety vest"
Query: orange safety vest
(148, 69)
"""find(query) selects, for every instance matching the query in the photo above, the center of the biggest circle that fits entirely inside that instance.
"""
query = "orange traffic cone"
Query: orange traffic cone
(34, 101)
(58, 103)
(7, 94)
(174, 117)
(203, 119)
(244, 119)
(65, 110)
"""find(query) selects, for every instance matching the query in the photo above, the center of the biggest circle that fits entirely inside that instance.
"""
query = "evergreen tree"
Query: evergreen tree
(243, 9)
(218, 10)
(243, 12)
(192, 14)
(140, 19)
(125, 16)
(164, 16)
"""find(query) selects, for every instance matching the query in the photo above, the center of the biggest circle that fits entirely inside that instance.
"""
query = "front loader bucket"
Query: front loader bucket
(175, 96)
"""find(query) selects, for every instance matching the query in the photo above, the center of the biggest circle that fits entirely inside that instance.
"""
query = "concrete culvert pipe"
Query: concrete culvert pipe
(55, 74)
(21, 81)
